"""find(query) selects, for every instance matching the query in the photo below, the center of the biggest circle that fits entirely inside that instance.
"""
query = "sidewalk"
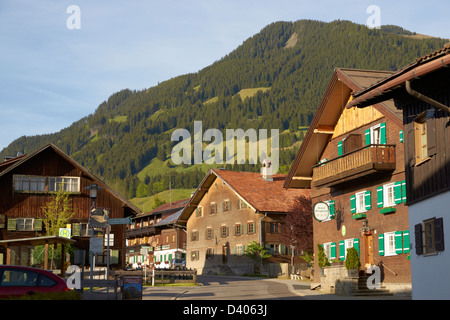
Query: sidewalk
(303, 289)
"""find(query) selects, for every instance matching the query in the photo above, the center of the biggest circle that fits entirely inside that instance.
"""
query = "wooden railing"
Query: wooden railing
(359, 162)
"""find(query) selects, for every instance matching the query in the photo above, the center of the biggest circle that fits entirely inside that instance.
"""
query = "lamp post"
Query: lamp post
(93, 190)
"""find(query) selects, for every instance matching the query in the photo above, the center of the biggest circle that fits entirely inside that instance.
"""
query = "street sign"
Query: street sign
(64, 232)
(96, 245)
(120, 221)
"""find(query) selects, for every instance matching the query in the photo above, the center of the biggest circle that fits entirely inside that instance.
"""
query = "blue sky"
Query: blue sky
(51, 76)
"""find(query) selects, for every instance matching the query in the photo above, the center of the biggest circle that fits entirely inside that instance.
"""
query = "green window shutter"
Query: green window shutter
(398, 192)
(380, 196)
(406, 241)
(114, 257)
(283, 249)
(340, 148)
(367, 200)
(356, 244)
(76, 229)
(401, 136)
(403, 191)
(332, 209)
(37, 225)
(367, 137)
(342, 250)
(333, 250)
(398, 242)
(353, 204)
(383, 133)
(381, 244)
(12, 223)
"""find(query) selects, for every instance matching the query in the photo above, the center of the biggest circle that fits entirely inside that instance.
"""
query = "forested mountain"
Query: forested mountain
(127, 140)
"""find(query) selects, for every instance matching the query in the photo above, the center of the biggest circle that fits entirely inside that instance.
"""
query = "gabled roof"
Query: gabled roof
(343, 82)
(22, 160)
(166, 208)
(384, 89)
(261, 195)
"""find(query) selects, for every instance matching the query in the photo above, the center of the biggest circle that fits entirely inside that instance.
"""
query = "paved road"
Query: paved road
(226, 288)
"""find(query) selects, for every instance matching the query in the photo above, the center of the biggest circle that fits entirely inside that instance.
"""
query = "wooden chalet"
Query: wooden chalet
(352, 159)
(421, 90)
(27, 183)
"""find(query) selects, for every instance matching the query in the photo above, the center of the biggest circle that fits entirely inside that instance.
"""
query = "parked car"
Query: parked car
(20, 280)
(177, 264)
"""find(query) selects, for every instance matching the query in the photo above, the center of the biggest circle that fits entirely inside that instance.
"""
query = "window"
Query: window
(274, 227)
(424, 136)
(393, 243)
(195, 256)
(241, 204)
(68, 184)
(45, 184)
(209, 253)
(194, 235)
(24, 224)
(389, 244)
(391, 194)
(237, 229)
(29, 183)
(226, 206)
(85, 231)
(16, 278)
(213, 208)
(376, 134)
(199, 212)
(224, 231)
(240, 249)
(251, 227)
(327, 249)
(344, 245)
(209, 233)
(360, 202)
(429, 236)
(420, 141)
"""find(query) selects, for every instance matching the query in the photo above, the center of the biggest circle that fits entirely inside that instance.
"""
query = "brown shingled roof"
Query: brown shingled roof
(264, 196)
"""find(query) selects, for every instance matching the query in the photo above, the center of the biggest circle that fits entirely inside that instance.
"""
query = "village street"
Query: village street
(246, 288)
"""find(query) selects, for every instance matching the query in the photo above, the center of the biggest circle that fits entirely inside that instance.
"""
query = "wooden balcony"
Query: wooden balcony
(356, 164)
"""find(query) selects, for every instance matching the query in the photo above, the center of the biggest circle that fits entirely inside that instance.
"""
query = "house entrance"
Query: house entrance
(368, 249)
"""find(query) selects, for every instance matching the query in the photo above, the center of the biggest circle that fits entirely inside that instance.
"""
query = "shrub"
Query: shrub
(352, 259)
(322, 258)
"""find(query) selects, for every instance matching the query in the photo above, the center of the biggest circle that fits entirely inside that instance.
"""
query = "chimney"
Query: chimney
(266, 170)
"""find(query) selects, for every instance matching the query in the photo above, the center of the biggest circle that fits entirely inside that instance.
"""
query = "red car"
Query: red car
(19, 280)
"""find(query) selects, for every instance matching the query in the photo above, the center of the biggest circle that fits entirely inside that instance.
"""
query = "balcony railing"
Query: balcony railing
(358, 163)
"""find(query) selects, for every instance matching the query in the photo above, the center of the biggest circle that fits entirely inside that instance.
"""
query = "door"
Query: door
(368, 249)
(224, 254)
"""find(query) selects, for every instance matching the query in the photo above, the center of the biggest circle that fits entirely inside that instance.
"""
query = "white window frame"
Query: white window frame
(240, 250)
(375, 134)
(389, 195)
(389, 244)
(327, 249)
(24, 224)
(360, 202)
(69, 184)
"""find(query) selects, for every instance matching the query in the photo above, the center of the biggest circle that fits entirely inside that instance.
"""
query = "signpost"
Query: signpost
(119, 221)
(321, 211)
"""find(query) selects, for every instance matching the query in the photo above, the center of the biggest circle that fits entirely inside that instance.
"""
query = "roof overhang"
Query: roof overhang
(36, 241)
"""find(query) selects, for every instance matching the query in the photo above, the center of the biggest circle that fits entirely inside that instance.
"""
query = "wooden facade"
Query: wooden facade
(27, 184)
